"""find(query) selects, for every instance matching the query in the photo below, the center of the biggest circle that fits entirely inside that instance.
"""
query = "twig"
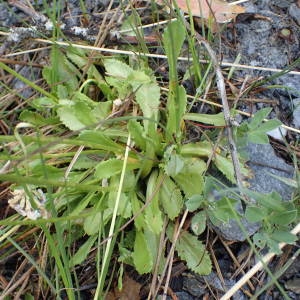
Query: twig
(116, 51)
(256, 268)
(228, 119)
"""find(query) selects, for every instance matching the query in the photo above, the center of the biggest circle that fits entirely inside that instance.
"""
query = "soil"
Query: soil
(267, 35)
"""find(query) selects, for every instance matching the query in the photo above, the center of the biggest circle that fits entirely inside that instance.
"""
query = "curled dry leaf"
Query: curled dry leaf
(220, 10)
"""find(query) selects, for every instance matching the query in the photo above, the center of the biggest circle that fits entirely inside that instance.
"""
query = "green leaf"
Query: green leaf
(173, 38)
(176, 107)
(136, 204)
(141, 255)
(174, 163)
(190, 178)
(36, 119)
(284, 218)
(271, 201)
(225, 166)
(256, 214)
(43, 102)
(171, 198)
(284, 237)
(217, 120)
(259, 239)
(98, 140)
(95, 223)
(194, 202)
(82, 252)
(116, 68)
(259, 135)
(200, 149)
(224, 209)
(147, 97)
(192, 250)
(198, 223)
(137, 133)
(258, 118)
(152, 213)
(67, 115)
(108, 168)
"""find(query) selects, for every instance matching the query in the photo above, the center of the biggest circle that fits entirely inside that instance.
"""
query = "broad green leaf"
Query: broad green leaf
(108, 168)
(43, 103)
(258, 138)
(137, 133)
(194, 202)
(258, 118)
(170, 198)
(174, 164)
(82, 98)
(201, 149)
(224, 209)
(152, 213)
(124, 208)
(284, 218)
(36, 119)
(153, 242)
(77, 56)
(84, 114)
(82, 252)
(138, 78)
(198, 223)
(141, 255)
(147, 97)
(173, 38)
(225, 166)
(259, 239)
(176, 107)
(190, 178)
(116, 68)
(95, 223)
(191, 250)
(217, 120)
(102, 110)
(67, 115)
(284, 237)
(259, 135)
(271, 201)
(136, 204)
(98, 140)
(256, 214)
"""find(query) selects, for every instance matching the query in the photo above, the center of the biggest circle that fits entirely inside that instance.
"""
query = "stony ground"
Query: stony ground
(267, 35)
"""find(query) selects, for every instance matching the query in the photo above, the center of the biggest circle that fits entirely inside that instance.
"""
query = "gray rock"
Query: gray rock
(294, 12)
(263, 162)
(193, 286)
(296, 112)
(196, 284)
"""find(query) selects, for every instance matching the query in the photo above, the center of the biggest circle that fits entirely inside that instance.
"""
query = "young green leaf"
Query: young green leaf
(217, 120)
(194, 202)
(116, 68)
(152, 213)
(190, 178)
(141, 255)
(170, 198)
(191, 250)
(108, 168)
(82, 252)
(256, 214)
(198, 223)
(137, 133)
